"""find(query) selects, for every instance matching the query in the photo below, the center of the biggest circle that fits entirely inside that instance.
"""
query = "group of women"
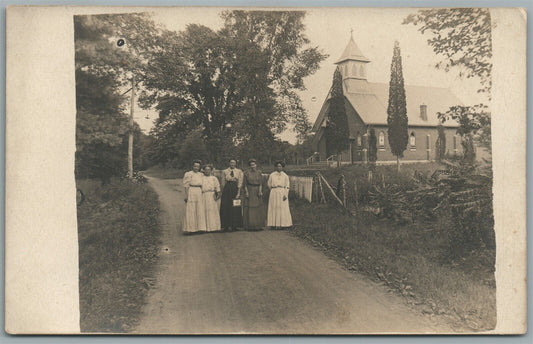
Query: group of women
(240, 198)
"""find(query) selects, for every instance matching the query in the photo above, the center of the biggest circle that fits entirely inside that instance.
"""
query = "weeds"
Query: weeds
(118, 239)
(410, 258)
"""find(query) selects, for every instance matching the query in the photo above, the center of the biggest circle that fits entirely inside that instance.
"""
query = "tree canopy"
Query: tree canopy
(103, 70)
(462, 36)
(244, 75)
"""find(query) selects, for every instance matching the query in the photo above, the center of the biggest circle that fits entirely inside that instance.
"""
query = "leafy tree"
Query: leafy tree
(473, 121)
(193, 147)
(245, 74)
(441, 143)
(101, 120)
(337, 132)
(462, 36)
(397, 109)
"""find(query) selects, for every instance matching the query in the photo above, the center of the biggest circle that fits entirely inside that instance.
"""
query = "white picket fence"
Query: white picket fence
(301, 186)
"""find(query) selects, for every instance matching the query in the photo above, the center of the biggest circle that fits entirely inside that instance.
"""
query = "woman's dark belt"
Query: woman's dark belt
(253, 184)
(195, 186)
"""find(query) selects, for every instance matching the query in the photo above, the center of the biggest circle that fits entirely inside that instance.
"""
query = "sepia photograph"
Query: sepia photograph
(309, 171)
(285, 171)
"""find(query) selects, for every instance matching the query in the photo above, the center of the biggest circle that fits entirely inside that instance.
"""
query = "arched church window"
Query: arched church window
(354, 69)
(381, 139)
(362, 71)
(412, 140)
(359, 140)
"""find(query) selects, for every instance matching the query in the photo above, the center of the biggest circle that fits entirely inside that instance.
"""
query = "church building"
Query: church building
(366, 106)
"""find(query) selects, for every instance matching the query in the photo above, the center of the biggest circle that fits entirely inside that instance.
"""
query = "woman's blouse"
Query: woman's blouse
(192, 178)
(253, 177)
(237, 176)
(278, 180)
(210, 184)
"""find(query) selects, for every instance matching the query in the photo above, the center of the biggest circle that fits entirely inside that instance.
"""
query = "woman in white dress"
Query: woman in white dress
(211, 194)
(279, 214)
(195, 211)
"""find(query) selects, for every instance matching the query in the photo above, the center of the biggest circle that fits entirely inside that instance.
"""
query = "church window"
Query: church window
(359, 141)
(354, 69)
(362, 71)
(381, 140)
(412, 140)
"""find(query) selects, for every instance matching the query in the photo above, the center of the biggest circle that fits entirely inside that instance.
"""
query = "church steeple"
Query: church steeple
(352, 62)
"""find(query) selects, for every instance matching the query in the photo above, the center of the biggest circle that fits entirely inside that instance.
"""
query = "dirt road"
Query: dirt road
(261, 282)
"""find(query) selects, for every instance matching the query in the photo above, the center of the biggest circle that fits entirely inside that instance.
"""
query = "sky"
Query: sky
(374, 31)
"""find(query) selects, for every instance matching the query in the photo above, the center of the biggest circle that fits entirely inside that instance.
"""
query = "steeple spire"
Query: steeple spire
(352, 52)
(352, 65)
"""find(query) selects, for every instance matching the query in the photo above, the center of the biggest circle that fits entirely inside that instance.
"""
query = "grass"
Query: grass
(409, 259)
(165, 172)
(118, 243)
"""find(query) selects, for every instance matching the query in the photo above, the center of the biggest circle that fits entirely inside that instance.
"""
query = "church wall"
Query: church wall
(357, 129)
(420, 150)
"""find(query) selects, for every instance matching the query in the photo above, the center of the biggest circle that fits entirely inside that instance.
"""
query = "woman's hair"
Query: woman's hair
(251, 160)
(279, 162)
(208, 165)
(197, 162)
(229, 160)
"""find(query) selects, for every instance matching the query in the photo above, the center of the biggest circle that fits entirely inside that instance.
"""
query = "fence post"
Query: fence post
(343, 184)
(323, 199)
(356, 195)
(331, 190)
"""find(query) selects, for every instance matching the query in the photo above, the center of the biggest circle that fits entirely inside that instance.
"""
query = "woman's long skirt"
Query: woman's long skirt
(212, 215)
(230, 216)
(253, 210)
(279, 214)
(195, 211)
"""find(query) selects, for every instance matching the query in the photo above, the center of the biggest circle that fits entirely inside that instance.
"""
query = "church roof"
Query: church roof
(372, 106)
(352, 52)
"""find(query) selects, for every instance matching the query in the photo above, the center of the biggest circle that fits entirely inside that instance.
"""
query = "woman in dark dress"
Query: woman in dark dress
(231, 214)
(253, 210)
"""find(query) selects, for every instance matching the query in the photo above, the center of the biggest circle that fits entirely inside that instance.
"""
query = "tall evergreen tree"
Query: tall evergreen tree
(372, 147)
(397, 109)
(441, 143)
(337, 132)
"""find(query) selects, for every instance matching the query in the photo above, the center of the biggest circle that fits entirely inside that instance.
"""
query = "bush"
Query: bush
(137, 178)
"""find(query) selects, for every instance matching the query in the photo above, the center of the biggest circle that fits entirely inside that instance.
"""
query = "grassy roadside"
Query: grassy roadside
(165, 172)
(409, 260)
(119, 237)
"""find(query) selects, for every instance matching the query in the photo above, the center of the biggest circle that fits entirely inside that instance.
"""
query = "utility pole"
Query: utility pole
(130, 138)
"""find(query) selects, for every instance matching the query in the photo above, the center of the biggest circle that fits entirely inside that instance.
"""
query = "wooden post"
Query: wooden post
(343, 184)
(331, 190)
(130, 136)
(356, 195)
(323, 200)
